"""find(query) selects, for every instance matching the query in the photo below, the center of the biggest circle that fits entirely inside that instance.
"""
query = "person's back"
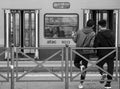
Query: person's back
(105, 38)
(90, 34)
(83, 38)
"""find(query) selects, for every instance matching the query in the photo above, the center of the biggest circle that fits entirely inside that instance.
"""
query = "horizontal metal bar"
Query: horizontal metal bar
(52, 47)
(41, 64)
(2, 53)
(39, 80)
(5, 77)
(93, 48)
(93, 64)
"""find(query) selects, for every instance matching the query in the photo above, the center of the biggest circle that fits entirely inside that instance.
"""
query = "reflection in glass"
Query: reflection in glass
(33, 30)
(29, 33)
(17, 29)
(26, 32)
(60, 26)
(105, 16)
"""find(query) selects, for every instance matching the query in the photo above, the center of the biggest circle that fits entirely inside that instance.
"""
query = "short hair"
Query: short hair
(90, 23)
(102, 23)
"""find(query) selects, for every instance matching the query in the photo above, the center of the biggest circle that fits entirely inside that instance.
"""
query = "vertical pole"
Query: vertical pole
(12, 67)
(7, 12)
(87, 15)
(116, 41)
(36, 33)
(71, 56)
(66, 68)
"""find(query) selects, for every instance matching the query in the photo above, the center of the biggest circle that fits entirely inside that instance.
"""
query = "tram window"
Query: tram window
(105, 16)
(60, 25)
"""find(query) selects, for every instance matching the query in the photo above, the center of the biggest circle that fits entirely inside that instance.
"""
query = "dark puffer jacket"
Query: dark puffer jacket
(104, 38)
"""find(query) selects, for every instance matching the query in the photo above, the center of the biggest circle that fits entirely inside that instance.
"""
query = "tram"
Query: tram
(34, 23)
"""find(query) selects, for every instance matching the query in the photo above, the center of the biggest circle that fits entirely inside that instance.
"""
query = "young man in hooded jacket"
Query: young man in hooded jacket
(105, 38)
(84, 38)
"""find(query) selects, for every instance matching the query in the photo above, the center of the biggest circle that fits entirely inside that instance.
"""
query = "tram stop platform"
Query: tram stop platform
(58, 85)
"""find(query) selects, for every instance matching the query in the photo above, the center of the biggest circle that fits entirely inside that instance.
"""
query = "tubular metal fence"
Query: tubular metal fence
(65, 75)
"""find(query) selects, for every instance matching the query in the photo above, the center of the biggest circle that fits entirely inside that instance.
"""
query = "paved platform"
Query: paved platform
(57, 85)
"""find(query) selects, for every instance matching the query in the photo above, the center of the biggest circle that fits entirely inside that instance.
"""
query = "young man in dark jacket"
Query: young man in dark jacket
(105, 38)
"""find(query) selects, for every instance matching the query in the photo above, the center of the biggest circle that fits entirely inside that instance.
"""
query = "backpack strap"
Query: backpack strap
(86, 42)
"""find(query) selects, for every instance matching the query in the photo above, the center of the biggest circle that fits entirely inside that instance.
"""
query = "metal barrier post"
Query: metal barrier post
(12, 67)
(66, 68)
(116, 62)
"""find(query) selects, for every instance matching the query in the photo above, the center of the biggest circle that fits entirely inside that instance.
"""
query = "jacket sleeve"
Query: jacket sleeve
(96, 41)
(75, 37)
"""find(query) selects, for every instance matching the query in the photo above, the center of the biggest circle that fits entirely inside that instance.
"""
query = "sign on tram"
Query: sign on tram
(61, 5)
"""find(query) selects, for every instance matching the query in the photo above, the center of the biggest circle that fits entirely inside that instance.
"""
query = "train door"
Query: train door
(109, 15)
(21, 29)
(112, 19)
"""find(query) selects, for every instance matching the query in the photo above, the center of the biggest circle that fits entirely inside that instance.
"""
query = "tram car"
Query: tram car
(51, 23)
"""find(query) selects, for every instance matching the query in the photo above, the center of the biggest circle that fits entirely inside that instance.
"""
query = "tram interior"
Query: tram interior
(97, 15)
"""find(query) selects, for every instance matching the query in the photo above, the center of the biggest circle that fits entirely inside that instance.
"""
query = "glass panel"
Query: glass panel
(87, 14)
(11, 34)
(114, 22)
(26, 30)
(60, 26)
(105, 16)
(17, 29)
(33, 30)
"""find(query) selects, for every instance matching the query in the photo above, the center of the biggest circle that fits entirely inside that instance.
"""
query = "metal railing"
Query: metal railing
(73, 50)
(5, 75)
(38, 64)
(66, 75)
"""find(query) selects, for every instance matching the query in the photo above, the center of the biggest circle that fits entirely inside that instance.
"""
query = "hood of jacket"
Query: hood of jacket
(87, 30)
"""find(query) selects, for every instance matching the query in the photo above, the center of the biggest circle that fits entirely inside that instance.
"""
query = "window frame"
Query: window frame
(60, 26)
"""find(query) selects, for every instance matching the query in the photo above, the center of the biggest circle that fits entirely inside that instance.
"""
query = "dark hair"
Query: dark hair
(90, 23)
(102, 23)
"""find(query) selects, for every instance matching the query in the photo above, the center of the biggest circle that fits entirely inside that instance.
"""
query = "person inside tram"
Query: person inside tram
(57, 32)
(48, 32)
(105, 38)
(84, 38)
(61, 32)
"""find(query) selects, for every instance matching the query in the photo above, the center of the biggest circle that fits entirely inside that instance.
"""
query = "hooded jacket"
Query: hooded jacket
(81, 36)
(104, 38)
